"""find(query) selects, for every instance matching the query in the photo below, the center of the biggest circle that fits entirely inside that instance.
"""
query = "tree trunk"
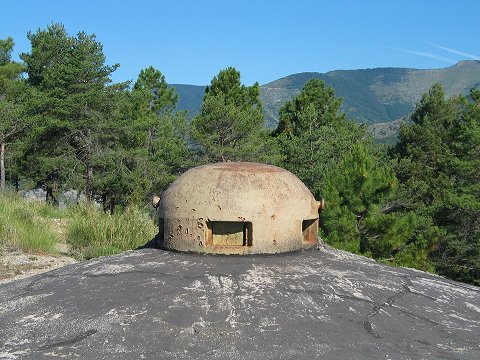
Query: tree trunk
(2, 167)
(50, 197)
(87, 138)
(49, 194)
(104, 203)
(89, 188)
(112, 207)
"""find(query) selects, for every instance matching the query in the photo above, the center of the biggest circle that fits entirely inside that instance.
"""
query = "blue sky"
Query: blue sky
(190, 41)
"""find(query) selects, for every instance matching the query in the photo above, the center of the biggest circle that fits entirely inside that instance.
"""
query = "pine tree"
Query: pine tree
(361, 216)
(71, 104)
(338, 161)
(12, 118)
(438, 169)
(231, 124)
(150, 146)
(314, 134)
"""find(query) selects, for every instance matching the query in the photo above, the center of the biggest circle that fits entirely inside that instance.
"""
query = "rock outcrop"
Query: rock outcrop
(165, 305)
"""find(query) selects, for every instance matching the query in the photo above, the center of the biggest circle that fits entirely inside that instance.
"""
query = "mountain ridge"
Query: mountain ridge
(372, 95)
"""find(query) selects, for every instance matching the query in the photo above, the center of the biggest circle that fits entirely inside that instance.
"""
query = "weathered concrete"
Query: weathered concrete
(238, 208)
(156, 304)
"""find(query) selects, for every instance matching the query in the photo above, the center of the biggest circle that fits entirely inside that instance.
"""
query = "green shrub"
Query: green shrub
(93, 233)
(48, 211)
(93, 252)
(25, 226)
(22, 229)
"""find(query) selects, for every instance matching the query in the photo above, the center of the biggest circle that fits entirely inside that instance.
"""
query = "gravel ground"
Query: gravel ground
(16, 265)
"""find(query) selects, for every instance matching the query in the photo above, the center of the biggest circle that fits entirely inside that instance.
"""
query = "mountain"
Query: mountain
(371, 96)
(190, 98)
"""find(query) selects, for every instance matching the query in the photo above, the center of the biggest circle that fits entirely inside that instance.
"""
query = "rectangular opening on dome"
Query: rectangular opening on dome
(310, 230)
(229, 233)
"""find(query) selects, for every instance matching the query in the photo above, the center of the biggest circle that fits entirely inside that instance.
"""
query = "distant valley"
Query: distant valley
(379, 97)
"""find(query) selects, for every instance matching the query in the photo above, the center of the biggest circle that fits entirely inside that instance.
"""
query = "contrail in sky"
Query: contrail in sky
(425, 54)
(430, 55)
(453, 51)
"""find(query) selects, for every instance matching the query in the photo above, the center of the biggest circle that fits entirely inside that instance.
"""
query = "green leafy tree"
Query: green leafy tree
(438, 168)
(71, 105)
(231, 124)
(339, 162)
(149, 148)
(314, 134)
(361, 217)
(151, 93)
(12, 119)
(316, 100)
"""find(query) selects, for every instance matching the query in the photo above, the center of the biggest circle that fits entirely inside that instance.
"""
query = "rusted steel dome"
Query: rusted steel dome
(238, 208)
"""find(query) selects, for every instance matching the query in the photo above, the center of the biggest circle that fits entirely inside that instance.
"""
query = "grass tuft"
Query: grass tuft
(22, 229)
(34, 227)
(93, 233)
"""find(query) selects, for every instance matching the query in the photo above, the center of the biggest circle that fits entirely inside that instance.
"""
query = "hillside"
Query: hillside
(370, 96)
(190, 98)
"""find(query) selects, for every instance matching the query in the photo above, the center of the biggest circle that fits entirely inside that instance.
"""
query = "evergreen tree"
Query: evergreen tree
(231, 124)
(339, 162)
(438, 168)
(71, 104)
(160, 132)
(317, 100)
(151, 92)
(148, 147)
(361, 215)
(314, 134)
(12, 118)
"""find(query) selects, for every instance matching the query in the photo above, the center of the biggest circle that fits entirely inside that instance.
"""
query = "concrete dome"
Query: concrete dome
(238, 208)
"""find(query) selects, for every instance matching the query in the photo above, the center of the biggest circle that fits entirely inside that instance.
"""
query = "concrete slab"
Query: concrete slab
(323, 303)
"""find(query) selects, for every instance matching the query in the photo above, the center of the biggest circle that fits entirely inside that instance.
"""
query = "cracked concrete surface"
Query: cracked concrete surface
(152, 303)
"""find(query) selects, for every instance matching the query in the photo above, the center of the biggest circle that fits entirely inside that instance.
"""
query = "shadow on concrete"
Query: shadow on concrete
(151, 244)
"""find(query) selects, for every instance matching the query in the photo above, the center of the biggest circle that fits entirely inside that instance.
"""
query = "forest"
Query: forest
(65, 125)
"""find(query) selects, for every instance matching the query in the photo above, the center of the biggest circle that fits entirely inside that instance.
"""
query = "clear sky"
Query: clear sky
(190, 41)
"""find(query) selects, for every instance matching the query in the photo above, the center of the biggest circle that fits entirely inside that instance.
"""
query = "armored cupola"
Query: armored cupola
(238, 208)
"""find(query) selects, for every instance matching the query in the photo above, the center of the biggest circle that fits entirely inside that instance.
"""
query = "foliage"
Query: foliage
(360, 217)
(314, 135)
(91, 232)
(158, 135)
(339, 162)
(354, 188)
(230, 126)
(9, 70)
(315, 106)
(12, 119)
(438, 169)
(70, 104)
(22, 228)
(144, 148)
(151, 91)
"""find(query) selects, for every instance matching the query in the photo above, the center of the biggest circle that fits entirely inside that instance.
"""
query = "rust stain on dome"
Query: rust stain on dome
(244, 166)
(237, 208)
